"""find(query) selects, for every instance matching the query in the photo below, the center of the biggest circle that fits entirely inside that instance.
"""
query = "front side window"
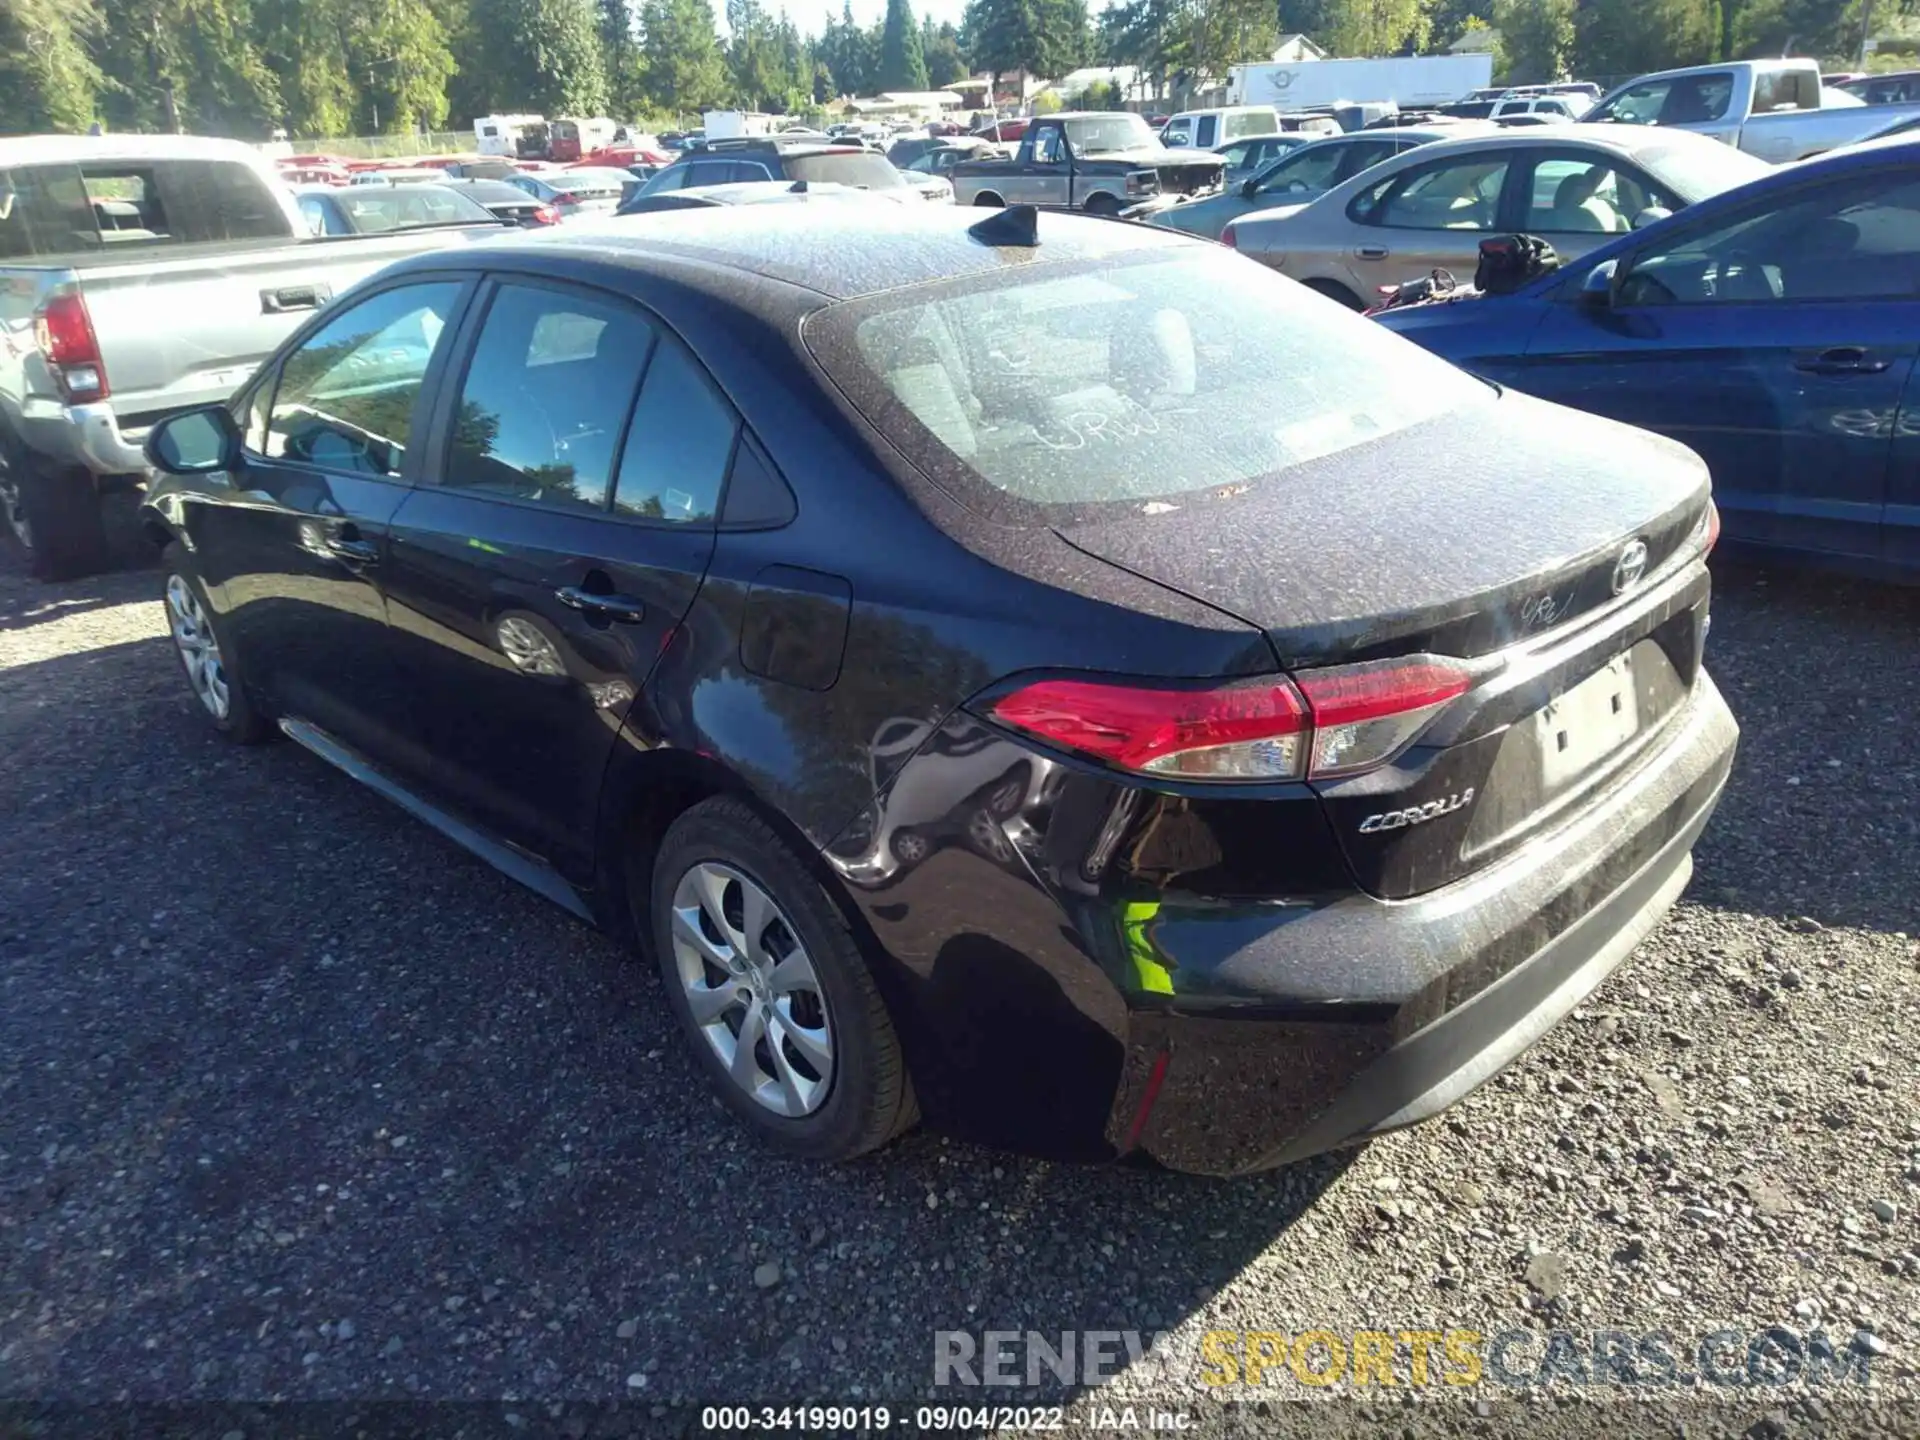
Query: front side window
(1026, 390)
(1680, 100)
(545, 396)
(346, 398)
(1462, 194)
(1854, 241)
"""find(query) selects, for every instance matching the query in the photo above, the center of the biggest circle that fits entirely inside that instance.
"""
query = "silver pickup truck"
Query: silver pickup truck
(1098, 161)
(1777, 110)
(140, 275)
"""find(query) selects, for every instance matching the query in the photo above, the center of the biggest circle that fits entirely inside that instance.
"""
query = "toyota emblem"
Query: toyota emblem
(1631, 565)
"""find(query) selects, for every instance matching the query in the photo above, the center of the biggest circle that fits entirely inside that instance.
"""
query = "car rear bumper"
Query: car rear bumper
(84, 436)
(1446, 989)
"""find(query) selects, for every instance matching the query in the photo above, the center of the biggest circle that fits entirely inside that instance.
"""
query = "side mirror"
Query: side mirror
(1249, 188)
(1597, 288)
(195, 442)
(1651, 215)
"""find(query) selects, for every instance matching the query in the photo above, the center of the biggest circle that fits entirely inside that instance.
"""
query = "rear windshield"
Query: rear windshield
(867, 170)
(1066, 386)
(411, 208)
(1696, 172)
(77, 210)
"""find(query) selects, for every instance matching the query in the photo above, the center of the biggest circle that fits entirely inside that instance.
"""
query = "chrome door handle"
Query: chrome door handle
(351, 547)
(1372, 252)
(625, 608)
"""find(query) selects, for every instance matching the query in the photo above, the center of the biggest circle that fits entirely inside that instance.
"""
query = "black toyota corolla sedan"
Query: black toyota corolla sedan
(1056, 678)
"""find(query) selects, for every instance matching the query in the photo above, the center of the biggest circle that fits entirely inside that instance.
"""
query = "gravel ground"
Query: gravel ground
(300, 1101)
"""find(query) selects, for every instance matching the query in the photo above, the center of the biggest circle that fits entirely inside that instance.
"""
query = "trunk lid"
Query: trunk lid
(1516, 527)
(1459, 536)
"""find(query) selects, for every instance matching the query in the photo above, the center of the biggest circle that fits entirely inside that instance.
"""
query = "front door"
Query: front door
(295, 553)
(1777, 340)
(556, 541)
(1049, 179)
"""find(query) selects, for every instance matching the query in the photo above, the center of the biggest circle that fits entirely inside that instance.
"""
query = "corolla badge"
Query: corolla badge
(1631, 565)
(1416, 814)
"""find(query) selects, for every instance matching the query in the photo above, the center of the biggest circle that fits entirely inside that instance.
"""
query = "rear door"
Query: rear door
(1577, 198)
(560, 534)
(1777, 340)
(295, 552)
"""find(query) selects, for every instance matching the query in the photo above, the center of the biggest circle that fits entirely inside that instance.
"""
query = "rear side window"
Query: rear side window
(1253, 122)
(81, 209)
(540, 410)
(679, 444)
(1785, 90)
(1207, 136)
(44, 211)
(1126, 383)
(867, 171)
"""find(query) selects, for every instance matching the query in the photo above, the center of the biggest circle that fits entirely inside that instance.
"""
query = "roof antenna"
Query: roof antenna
(1012, 225)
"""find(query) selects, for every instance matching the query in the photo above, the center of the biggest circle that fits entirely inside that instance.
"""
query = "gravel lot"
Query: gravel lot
(298, 1100)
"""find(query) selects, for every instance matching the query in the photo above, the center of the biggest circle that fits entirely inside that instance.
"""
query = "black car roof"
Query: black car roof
(837, 251)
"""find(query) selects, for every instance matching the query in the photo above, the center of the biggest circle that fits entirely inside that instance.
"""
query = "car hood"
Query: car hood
(1442, 536)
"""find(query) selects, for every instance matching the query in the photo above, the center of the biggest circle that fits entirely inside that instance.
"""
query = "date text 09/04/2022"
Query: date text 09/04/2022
(857, 1419)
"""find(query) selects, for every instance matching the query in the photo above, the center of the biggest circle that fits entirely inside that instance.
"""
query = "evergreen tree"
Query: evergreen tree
(1536, 36)
(946, 64)
(684, 70)
(185, 65)
(48, 80)
(902, 64)
(622, 57)
(540, 55)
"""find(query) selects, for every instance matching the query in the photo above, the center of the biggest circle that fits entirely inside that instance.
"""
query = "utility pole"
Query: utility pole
(1866, 31)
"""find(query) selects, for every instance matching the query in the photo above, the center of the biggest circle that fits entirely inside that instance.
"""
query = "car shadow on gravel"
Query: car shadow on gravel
(1818, 822)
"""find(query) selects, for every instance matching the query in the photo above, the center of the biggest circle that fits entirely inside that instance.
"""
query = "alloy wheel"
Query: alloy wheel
(13, 504)
(752, 989)
(199, 651)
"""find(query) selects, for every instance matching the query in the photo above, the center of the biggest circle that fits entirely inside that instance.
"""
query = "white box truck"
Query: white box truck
(1409, 81)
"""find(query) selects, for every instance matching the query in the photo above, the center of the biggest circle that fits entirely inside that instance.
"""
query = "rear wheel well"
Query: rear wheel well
(1101, 203)
(1334, 290)
(988, 197)
(666, 786)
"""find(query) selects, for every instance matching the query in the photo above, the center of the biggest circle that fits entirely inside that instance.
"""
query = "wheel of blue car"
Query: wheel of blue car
(771, 989)
(208, 663)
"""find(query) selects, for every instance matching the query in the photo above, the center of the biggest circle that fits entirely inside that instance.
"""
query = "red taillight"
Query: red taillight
(546, 215)
(1363, 714)
(1323, 724)
(1230, 237)
(1713, 526)
(1252, 731)
(64, 332)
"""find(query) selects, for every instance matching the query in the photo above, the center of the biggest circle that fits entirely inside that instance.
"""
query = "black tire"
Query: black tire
(1102, 203)
(1334, 290)
(243, 721)
(52, 513)
(869, 1097)
(990, 200)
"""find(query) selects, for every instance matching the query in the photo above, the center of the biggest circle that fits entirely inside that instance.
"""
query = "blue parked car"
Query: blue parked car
(1773, 329)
